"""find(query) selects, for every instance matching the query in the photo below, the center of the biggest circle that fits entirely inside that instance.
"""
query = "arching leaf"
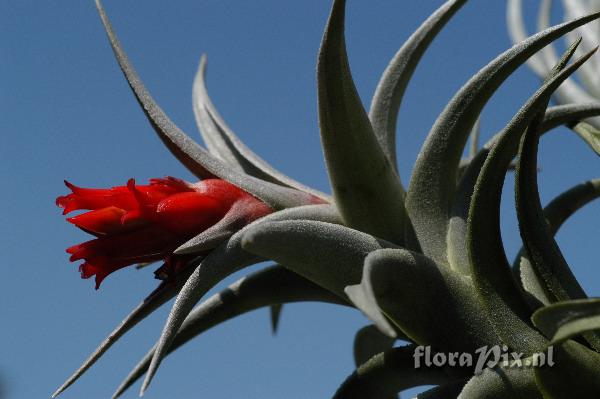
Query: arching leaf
(366, 189)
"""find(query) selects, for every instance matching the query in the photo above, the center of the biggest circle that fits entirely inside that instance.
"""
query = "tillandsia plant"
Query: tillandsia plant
(425, 264)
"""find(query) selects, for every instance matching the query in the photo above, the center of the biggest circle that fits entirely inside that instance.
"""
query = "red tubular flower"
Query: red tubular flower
(139, 224)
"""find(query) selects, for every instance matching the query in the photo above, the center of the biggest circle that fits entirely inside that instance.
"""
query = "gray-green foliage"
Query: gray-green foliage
(426, 265)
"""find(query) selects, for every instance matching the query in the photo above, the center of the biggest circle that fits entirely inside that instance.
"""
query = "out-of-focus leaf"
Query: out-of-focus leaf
(366, 188)
(398, 284)
(433, 181)
(563, 320)
(273, 285)
(502, 383)
(221, 262)
(368, 342)
(187, 151)
(158, 297)
(490, 270)
(225, 144)
(390, 89)
(575, 373)
(388, 373)
(542, 62)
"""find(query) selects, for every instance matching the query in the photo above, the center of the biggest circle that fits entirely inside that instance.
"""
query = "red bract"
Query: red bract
(139, 224)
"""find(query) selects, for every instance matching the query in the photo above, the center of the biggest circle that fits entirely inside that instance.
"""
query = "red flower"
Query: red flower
(139, 224)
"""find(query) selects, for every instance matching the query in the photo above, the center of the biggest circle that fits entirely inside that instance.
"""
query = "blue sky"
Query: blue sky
(68, 114)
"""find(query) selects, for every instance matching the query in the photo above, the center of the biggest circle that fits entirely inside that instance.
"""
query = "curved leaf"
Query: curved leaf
(388, 373)
(589, 134)
(327, 254)
(368, 342)
(221, 262)
(563, 320)
(575, 373)
(162, 294)
(489, 268)
(366, 188)
(199, 161)
(541, 63)
(224, 143)
(457, 226)
(390, 89)
(398, 284)
(502, 383)
(433, 181)
(555, 213)
(273, 285)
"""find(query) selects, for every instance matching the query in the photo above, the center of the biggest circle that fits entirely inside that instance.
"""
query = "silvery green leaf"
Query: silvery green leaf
(490, 270)
(187, 151)
(225, 144)
(158, 297)
(555, 213)
(369, 341)
(327, 254)
(397, 284)
(388, 373)
(221, 262)
(544, 255)
(366, 189)
(563, 320)
(502, 383)
(273, 285)
(457, 227)
(575, 373)
(433, 181)
(590, 134)
(390, 89)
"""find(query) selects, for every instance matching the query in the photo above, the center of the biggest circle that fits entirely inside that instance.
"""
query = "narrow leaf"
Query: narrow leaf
(589, 134)
(221, 262)
(563, 320)
(392, 85)
(556, 213)
(366, 188)
(388, 373)
(489, 268)
(225, 144)
(433, 181)
(369, 341)
(271, 286)
(158, 297)
(575, 373)
(502, 383)
(398, 284)
(199, 161)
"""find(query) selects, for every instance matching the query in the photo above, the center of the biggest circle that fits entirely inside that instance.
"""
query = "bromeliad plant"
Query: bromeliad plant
(426, 265)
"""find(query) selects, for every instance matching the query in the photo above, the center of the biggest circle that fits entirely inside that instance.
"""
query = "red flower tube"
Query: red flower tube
(140, 224)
